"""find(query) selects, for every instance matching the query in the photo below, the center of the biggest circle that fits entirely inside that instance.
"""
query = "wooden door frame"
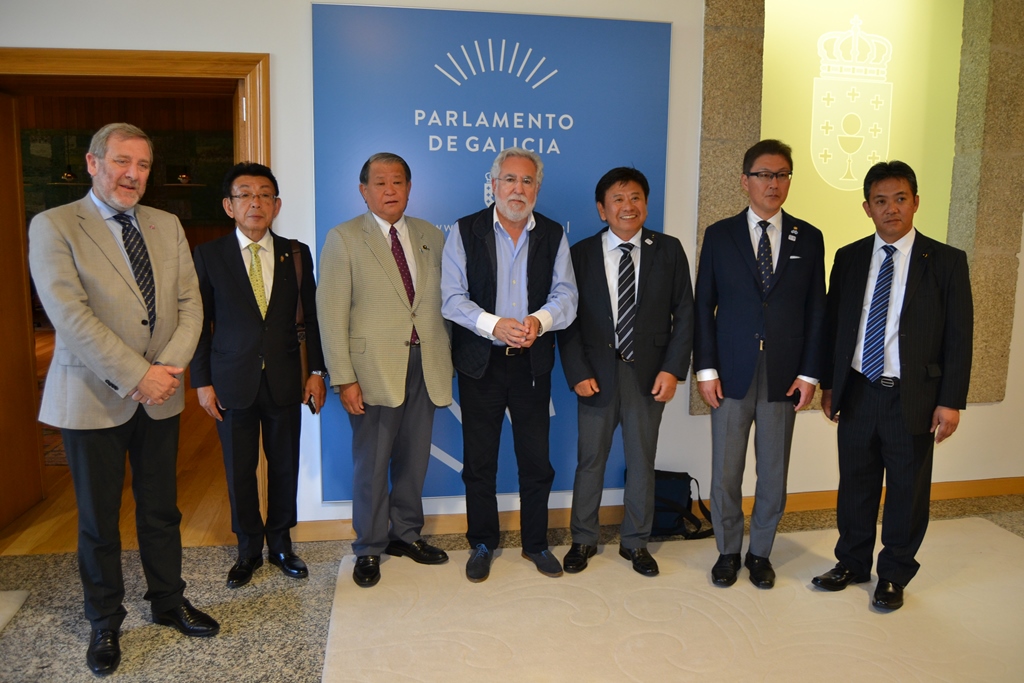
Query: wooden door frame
(251, 71)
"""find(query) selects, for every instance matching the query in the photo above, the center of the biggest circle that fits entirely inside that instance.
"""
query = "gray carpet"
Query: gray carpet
(275, 629)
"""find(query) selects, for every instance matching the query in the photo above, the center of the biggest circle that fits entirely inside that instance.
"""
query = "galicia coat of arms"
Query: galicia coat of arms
(852, 106)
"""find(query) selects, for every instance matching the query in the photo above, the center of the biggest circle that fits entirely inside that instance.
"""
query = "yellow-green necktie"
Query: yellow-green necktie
(256, 279)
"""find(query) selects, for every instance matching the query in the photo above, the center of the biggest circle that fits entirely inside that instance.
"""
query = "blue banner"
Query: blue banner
(448, 90)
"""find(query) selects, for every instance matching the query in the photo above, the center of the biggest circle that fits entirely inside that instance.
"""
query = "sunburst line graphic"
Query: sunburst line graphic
(482, 66)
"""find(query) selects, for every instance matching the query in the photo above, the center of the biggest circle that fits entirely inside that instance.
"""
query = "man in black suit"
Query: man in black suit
(247, 367)
(760, 313)
(898, 364)
(624, 359)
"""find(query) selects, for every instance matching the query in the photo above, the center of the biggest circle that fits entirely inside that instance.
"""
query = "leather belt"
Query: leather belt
(510, 350)
(882, 382)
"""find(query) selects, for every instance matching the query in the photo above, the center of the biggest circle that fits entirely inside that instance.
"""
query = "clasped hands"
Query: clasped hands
(518, 335)
(157, 385)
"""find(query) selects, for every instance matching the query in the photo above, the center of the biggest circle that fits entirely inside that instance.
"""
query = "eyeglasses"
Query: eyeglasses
(265, 197)
(511, 180)
(768, 176)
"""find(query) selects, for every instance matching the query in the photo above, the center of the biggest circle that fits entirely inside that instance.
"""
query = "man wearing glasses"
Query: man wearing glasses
(247, 368)
(507, 280)
(760, 313)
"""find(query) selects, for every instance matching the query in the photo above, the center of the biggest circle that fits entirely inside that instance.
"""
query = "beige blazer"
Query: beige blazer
(365, 317)
(103, 346)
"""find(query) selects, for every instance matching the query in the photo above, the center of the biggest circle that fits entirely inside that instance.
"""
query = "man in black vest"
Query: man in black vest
(506, 280)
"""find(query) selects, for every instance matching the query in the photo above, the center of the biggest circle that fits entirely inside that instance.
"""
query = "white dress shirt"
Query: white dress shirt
(900, 268)
(266, 258)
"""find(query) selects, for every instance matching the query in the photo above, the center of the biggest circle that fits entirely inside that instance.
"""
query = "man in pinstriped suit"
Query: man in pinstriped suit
(900, 390)
(388, 351)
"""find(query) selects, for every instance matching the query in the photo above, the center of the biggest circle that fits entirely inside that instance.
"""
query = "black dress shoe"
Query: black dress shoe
(418, 551)
(189, 620)
(104, 653)
(478, 568)
(724, 571)
(761, 573)
(241, 572)
(888, 595)
(838, 578)
(290, 564)
(576, 559)
(642, 561)
(366, 573)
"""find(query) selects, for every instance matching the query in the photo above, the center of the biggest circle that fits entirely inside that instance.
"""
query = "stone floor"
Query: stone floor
(274, 629)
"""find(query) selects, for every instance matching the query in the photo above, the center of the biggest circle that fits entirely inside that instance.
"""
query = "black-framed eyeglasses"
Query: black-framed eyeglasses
(768, 176)
(264, 197)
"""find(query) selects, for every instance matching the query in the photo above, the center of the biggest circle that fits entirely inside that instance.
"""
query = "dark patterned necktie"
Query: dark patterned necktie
(138, 256)
(627, 302)
(764, 256)
(873, 357)
(403, 269)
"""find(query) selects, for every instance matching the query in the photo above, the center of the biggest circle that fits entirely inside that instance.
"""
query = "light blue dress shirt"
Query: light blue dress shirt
(511, 300)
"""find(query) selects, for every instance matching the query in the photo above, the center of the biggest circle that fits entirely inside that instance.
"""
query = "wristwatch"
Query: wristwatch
(318, 373)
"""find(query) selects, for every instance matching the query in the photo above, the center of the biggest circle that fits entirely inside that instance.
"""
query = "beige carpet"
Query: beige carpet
(963, 619)
(10, 602)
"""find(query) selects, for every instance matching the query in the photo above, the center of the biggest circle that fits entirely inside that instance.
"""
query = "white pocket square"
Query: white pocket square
(793, 256)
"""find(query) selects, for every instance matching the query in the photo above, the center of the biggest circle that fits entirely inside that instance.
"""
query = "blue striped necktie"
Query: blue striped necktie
(873, 358)
(627, 302)
(138, 256)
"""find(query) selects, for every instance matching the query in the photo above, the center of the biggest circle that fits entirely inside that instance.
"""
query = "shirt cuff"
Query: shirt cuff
(809, 380)
(485, 324)
(546, 321)
(707, 374)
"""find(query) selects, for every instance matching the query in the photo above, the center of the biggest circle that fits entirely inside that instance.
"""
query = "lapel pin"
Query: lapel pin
(649, 241)
(425, 248)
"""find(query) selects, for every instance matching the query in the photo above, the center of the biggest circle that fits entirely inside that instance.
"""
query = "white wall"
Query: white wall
(982, 448)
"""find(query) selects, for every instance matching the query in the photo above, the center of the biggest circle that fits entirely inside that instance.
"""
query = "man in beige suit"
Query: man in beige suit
(118, 284)
(387, 349)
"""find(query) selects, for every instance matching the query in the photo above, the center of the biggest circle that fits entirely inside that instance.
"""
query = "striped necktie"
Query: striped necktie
(138, 256)
(627, 302)
(873, 357)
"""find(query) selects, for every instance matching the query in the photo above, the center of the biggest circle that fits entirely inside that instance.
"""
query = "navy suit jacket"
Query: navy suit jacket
(935, 333)
(733, 318)
(662, 331)
(236, 341)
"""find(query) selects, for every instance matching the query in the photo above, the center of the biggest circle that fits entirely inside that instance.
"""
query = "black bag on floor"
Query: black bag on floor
(673, 507)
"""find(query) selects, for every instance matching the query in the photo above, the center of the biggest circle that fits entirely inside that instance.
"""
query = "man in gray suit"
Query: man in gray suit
(117, 281)
(387, 350)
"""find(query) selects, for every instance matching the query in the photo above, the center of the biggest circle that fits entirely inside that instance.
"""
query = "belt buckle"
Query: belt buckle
(511, 351)
(887, 382)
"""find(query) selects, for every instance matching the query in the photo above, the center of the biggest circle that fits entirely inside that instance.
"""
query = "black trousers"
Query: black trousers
(507, 383)
(874, 441)
(240, 440)
(96, 461)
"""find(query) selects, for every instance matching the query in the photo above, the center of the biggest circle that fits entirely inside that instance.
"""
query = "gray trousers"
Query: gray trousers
(730, 433)
(396, 442)
(640, 416)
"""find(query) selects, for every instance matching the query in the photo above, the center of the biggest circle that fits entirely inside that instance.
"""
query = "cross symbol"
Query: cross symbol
(874, 158)
(827, 127)
(828, 99)
(877, 102)
(825, 156)
(874, 130)
(853, 94)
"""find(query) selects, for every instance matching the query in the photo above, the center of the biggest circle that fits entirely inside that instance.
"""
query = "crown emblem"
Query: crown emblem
(854, 54)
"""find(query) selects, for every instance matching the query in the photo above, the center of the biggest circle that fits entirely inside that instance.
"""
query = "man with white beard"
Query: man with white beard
(506, 281)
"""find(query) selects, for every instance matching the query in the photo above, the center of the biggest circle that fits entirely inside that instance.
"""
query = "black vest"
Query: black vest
(470, 351)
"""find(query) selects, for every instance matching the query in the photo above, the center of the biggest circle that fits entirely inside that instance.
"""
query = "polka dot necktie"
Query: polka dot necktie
(764, 257)
(256, 279)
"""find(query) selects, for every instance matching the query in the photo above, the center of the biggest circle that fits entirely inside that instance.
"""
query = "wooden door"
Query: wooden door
(21, 439)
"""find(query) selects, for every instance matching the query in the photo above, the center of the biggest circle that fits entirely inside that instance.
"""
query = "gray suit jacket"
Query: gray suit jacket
(365, 316)
(103, 345)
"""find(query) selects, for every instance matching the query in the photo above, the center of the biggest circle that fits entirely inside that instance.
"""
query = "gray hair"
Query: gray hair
(98, 146)
(518, 152)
